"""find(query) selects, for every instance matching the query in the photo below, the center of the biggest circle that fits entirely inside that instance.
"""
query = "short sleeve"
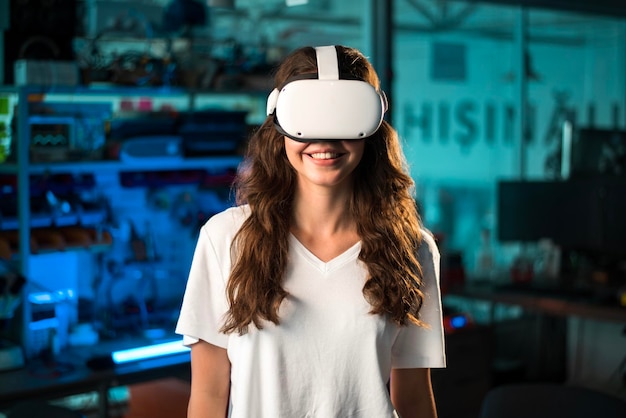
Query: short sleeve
(420, 347)
(204, 302)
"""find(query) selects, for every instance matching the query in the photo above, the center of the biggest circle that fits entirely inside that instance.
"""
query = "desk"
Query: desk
(541, 342)
(69, 375)
(550, 303)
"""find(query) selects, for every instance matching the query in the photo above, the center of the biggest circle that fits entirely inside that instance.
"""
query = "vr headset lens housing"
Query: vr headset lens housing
(310, 110)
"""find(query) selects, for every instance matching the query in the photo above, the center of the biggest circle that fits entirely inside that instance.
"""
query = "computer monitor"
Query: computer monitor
(570, 213)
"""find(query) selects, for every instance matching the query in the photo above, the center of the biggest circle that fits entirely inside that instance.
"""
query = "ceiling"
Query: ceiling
(549, 21)
(613, 8)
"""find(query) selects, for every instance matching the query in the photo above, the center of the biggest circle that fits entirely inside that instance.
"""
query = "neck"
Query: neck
(322, 221)
(322, 212)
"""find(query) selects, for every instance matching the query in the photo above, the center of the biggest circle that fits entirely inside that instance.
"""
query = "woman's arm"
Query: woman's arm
(412, 393)
(210, 381)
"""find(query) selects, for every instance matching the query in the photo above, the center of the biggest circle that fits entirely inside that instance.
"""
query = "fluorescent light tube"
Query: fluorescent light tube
(148, 352)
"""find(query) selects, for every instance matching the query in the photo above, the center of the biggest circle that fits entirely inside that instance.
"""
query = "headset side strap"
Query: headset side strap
(271, 102)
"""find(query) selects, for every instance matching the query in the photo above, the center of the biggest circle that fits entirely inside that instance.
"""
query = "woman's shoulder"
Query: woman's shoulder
(227, 222)
(428, 247)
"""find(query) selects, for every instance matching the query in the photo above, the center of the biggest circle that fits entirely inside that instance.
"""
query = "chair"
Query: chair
(36, 409)
(547, 400)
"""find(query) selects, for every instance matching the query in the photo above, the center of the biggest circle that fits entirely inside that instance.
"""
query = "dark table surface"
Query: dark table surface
(67, 373)
(549, 300)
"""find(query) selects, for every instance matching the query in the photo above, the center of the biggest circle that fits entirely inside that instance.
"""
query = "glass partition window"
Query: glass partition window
(455, 106)
(576, 73)
(484, 92)
(454, 97)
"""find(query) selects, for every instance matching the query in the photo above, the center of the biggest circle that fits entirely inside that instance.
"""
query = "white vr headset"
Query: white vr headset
(326, 108)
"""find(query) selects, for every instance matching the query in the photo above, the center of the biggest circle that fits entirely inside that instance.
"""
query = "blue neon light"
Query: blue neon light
(458, 321)
(149, 351)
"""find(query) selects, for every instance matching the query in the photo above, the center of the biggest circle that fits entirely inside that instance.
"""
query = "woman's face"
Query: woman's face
(325, 164)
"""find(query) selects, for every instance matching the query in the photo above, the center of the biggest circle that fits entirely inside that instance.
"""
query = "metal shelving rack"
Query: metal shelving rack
(23, 168)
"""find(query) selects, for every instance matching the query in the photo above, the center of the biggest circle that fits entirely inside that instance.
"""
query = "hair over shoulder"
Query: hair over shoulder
(383, 206)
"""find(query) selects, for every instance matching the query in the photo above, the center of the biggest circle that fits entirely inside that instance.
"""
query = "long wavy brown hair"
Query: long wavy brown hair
(382, 204)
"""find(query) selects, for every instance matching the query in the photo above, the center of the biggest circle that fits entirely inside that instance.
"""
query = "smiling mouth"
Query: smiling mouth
(325, 155)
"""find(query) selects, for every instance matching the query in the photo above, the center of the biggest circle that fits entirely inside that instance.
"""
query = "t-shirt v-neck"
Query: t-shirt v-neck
(328, 357)
(325, 266)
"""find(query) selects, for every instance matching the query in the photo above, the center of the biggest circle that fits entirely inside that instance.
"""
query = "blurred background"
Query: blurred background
(122, 124)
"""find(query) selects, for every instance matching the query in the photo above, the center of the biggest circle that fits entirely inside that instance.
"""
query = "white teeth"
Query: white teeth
(324, 155)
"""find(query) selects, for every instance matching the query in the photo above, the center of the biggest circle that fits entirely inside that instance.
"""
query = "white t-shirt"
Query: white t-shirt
(329, 357)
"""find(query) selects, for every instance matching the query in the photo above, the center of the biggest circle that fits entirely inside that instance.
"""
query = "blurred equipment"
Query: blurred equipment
(11, 284)
(583, 219)
(166, 136)
(48, 325)
(68, 131)
(129, 17)
(454, 321)
(183, 14)
(11, 356)
(213, 132)
(39, 30)
(45, 73)
(598, 152)
(164, 148)
(584, 214)
(229, 4)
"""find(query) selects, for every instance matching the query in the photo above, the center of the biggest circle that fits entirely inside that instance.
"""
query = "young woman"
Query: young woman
(318, 295)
